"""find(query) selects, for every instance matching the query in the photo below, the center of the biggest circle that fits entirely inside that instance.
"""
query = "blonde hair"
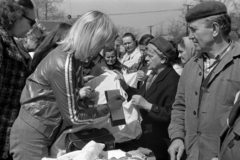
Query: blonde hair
(89, 34)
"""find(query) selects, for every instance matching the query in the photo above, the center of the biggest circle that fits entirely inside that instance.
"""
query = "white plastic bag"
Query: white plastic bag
(89, 152)
(121, 133)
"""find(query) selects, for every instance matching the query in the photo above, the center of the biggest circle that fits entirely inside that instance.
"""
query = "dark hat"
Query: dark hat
(165, 47)
(205, 9)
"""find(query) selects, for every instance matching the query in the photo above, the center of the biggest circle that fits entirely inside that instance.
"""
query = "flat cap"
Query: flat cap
(206, 9)
(165, 47)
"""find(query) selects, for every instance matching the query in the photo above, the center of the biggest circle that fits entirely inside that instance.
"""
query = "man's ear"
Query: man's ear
(164, 60)
(216, 29)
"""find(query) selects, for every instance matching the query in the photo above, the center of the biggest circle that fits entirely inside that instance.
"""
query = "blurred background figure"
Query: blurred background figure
(117, 44)
(34, 38)
(122, 51)
(186, 50)
(142, 45)
(49, 43)
(177, 64)
(141, 66)
(143, 42)
(132, 51)
(16, 18)
(110, 62)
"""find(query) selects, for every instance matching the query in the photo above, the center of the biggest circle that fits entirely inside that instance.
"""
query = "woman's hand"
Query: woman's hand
(141, 102)
(85, 92)
(141, 76)
(88, 78)
(123, 83)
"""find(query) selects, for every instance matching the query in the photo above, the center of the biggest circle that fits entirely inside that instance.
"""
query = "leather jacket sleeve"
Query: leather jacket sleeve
(63, 81)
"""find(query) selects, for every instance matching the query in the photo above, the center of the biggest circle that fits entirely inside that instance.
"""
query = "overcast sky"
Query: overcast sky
(144, 13)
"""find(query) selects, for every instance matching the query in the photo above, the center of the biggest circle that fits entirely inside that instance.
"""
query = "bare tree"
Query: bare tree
(49, 10)
(176, 28)
(160, 30)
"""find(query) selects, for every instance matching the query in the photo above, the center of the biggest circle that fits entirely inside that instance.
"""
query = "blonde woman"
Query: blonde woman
(51, 95)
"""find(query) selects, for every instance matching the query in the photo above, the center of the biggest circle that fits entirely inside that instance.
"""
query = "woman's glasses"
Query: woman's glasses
(32, 22)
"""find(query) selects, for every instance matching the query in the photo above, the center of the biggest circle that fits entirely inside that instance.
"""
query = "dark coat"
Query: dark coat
(230, 142)
(155, 123)
(13, 74)
(230, 137)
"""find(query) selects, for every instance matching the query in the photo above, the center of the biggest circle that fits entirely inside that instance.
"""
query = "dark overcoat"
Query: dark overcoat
(161, 95)
(13, 74)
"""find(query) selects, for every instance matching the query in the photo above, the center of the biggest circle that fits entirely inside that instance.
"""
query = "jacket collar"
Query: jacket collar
(234, 52)
(160, 77)
(130, 56)
(233, 45)
(10, 46)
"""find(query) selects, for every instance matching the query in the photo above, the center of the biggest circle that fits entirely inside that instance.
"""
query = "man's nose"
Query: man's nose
(190, 35)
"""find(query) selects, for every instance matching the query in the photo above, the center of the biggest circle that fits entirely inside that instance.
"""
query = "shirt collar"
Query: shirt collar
(134, 52)
(217, 57)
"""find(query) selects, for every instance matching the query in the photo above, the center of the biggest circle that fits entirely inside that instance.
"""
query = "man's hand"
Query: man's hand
(123, 83)
(141, 102)
(141, 76)
(85, 92)
(115, 102)
(176, 147)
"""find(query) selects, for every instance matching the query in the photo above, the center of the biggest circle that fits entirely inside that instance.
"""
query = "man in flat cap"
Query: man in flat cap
(156, 96)
(207, 86)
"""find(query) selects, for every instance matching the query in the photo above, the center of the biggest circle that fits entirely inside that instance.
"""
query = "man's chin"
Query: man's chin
(110, 64)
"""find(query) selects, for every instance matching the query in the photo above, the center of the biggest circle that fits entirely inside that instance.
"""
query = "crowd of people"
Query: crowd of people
(187, 89)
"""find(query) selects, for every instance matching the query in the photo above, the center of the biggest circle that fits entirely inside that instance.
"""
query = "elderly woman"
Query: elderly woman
(154, 99)
(110, 62)
(51, 95)
(16, 19)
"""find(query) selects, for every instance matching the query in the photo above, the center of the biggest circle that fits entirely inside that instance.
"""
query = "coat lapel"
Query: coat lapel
(226, 60)
(159, 78)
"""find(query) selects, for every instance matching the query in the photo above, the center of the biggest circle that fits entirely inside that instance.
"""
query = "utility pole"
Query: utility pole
(188, 7)
(150, 27)
(46, 8)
